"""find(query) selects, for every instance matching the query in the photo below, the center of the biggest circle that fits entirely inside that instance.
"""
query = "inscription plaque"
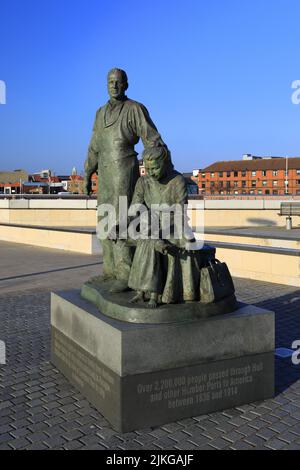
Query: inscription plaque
(191, 391)
(97, 382)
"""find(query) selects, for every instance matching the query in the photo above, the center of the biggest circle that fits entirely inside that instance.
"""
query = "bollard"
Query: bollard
(289, 224)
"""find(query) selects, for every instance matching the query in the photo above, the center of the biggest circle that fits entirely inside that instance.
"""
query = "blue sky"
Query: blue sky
(215, 75)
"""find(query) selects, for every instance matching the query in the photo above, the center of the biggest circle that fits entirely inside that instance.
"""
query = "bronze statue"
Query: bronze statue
(118, 127)
(163, 269)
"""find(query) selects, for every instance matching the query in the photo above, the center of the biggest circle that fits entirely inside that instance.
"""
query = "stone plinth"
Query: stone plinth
(119, 306)
(141, 375)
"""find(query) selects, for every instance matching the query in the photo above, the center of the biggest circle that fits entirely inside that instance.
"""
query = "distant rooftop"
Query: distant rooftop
(13, 176)
(249, 156)
(270, 163)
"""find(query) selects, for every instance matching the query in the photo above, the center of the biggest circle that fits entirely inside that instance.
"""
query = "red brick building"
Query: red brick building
(255, 176)
(94, 180)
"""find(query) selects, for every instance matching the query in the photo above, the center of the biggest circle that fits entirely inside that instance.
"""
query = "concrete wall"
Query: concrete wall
(260, 265)
(50, 217)
(69, 241)
(268, 267)
(241, 218)
(48, 204)
(56, 212)
(237, 213)
(217, 213)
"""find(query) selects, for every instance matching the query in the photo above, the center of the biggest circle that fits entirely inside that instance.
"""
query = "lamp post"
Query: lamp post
(286, 176)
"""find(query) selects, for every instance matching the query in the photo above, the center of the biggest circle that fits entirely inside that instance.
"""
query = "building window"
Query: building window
(221, 184)
(203, 185)
(253, 173)
(236, 174)
(221, 174)
(228, 184)
(244, 192)
(264, 172)
(253, 184)
(212, 175)
(252, 192)
(244, 173)
(298, 181)
(236, 193)
(275, 172)
(298, 172)
(259, 191)
(275, 183)
(212, 184)
(275, 193)
(228, 173)
(267, 192)
(235, 184)
(264, 183)
(244, 184)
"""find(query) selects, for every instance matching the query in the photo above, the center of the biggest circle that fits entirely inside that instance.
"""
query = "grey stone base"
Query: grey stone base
(146, 375)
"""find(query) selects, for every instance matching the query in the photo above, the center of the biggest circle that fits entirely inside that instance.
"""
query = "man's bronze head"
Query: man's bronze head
(117, 84)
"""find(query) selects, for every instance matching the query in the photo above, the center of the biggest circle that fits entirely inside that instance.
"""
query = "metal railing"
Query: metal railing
(190, 196)
(46, 196)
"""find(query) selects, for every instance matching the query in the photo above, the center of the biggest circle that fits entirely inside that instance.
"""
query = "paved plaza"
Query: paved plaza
(39, 409)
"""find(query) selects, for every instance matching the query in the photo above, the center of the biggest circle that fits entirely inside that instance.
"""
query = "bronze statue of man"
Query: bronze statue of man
(118, 127)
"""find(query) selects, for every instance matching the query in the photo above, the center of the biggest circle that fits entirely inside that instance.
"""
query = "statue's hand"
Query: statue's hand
(165, 248)
(87, 187)
(160, 246)
(170, 250)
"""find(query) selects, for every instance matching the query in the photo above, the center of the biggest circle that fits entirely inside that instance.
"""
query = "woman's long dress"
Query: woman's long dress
(174, 278)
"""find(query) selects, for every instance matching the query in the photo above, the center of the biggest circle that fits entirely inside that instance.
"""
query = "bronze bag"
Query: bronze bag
(215, 282)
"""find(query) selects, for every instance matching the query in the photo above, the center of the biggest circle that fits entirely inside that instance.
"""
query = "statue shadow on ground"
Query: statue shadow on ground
(287, 330)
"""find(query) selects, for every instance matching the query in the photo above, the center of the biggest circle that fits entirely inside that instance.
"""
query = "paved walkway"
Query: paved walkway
(24, 267)
(39, 409)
